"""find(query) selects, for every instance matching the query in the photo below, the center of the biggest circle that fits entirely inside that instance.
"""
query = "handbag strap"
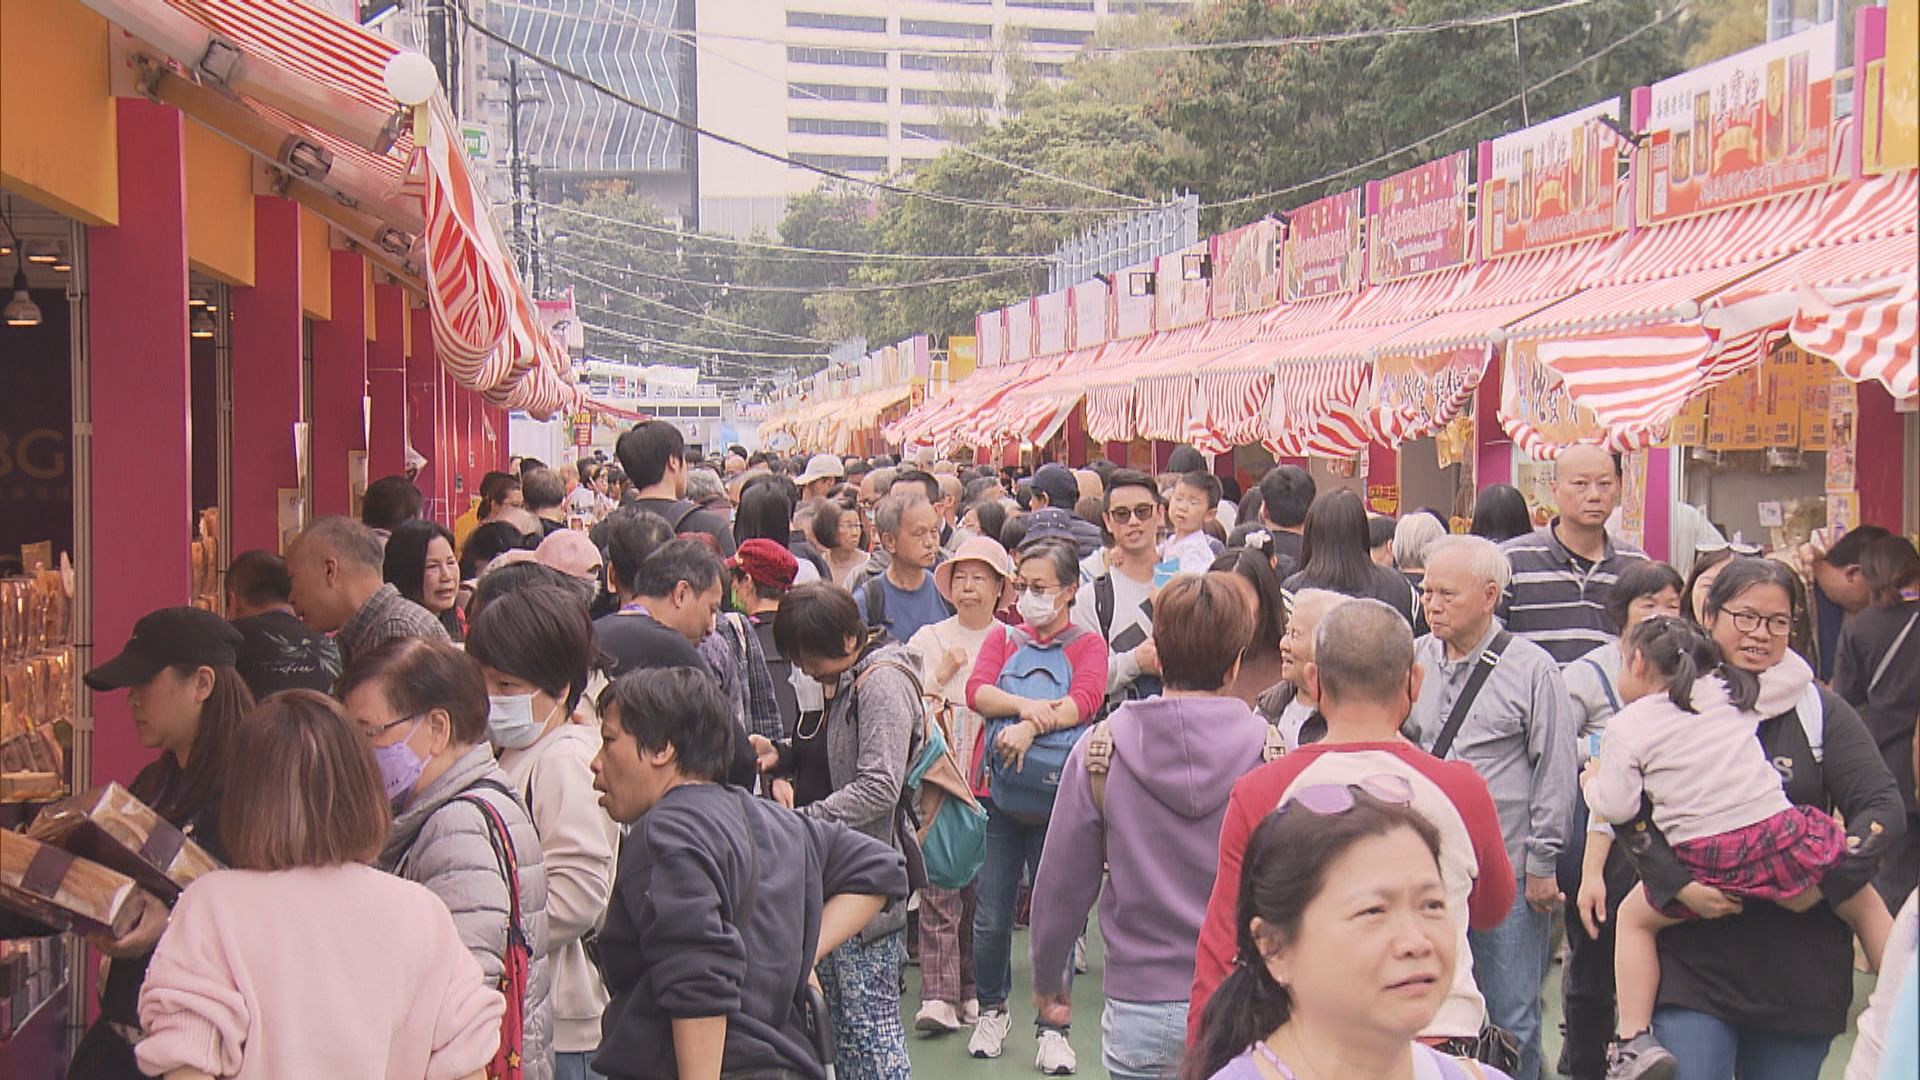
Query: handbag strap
(1887, 660)
(1489, 659)
(503, 853)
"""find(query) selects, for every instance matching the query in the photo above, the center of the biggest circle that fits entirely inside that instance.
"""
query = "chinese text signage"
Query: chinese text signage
(1551, 184)
(1245, 271)
(1323, 252)
(1419, 220)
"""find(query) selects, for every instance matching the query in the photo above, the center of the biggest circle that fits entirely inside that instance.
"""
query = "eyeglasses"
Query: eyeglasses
(1749, 620)
(1021, 588)
(1123, 514)
(1326, 800)
(1726, 545)
(377, 730)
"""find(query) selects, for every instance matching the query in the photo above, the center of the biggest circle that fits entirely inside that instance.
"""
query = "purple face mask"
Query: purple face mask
(399, 766)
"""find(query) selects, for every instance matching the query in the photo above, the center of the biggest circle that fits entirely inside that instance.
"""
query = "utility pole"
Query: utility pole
(514, 161)
(533, 249)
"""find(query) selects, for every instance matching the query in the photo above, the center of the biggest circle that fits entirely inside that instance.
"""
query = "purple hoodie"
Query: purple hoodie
(1174, 764)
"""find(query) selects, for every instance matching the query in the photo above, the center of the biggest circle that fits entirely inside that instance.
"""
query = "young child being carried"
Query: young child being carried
(1686, 740)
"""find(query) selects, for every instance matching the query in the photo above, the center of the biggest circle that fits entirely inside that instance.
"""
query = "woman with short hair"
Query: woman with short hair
(1500, 514)
(264, 970)
(1142, 836)
(423, 707)
(536, 653)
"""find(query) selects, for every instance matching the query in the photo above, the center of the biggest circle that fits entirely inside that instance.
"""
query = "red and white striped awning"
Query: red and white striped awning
(1871, 337)
(323, 78)
(1319, 408)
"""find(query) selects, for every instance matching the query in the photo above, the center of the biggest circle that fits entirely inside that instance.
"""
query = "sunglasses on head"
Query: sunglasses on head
(1326, 800)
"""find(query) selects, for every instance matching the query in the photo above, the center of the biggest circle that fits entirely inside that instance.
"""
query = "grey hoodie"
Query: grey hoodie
(1174, 764)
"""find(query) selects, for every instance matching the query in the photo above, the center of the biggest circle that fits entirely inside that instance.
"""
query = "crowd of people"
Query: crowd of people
(670, 766)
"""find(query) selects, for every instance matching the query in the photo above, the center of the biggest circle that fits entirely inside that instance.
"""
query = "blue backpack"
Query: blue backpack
(944, 822)
(1042, 672)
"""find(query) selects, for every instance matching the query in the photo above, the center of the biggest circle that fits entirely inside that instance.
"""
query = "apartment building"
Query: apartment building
(870, 88)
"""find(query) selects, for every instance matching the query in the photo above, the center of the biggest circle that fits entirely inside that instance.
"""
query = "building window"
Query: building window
(938, 28)
(802, 54)
(972, 65)
(1047, 35)
(820, 20)
(1050, 71)
(1052, 5)
(851, 163)
(808, 125)
(951, 99)
(922, 131)
(836, 92)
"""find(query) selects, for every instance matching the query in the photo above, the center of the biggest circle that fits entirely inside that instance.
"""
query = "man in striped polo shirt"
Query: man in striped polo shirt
(1563, 574)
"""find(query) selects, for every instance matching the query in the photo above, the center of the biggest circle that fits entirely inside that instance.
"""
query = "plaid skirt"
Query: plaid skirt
(1783, 856)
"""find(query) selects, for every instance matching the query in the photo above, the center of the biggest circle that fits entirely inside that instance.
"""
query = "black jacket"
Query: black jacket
(709, 919)
(1889, 706)
(1767, 967)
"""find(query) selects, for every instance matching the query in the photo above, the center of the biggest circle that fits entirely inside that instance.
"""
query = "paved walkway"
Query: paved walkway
(946, 1056)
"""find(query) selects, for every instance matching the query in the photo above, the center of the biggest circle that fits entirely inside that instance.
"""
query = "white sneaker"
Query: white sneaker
(1080, 956)
(1056, 1054)
(970, 1011)
(990, 1034)
(937, 1018)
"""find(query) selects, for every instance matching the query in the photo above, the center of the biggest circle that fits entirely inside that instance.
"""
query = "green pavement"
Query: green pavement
(946, 1056)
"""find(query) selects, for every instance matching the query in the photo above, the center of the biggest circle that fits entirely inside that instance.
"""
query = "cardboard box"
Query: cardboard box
(109, 826)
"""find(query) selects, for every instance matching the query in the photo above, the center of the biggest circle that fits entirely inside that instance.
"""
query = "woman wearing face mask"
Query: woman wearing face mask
(535, 648)
(423, 707)
(1046, 677)
(421, 563)
(187, 702)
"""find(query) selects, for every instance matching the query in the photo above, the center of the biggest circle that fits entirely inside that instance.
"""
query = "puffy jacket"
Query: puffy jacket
(447, 849)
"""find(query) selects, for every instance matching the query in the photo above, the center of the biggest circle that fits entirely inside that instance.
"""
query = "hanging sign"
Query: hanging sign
(1432, 387)
(1246, 274)
(1418, 220)
(963, 356)
(1536, 408)
(1551, 184)
(1133, 301)
(1751, 126)
(1181, 290)
(1019, 331)
(989, 334)
(1092, 306)
(1050, 323)
(1323, 252)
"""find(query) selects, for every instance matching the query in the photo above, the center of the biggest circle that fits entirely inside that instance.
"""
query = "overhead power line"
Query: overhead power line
(695, 350)
(706, 316)
(880, 256)
(1636, 32)
(803, 290)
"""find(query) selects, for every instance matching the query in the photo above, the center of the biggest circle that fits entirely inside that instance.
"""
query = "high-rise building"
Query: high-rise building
(864, 87)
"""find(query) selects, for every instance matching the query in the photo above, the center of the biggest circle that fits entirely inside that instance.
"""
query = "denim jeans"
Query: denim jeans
(576, 1065)
(1510, 963)
(1012, 848)
(1143, 1040)
(1708, 1048)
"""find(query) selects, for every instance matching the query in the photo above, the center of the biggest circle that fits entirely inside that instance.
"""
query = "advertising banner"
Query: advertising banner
(1418, 220)
(1019, 331)
(1092, 314)
(990, 337)
(918, 350)
(558, 318)
(1246, 271)
(1887, 87)
(963, 356)
(1751, 126)
(1181, 293)
(1133, 301)
(1323, 252)
(1432, 387)
(1050, 323)
(1532, 395)
(1551, 184)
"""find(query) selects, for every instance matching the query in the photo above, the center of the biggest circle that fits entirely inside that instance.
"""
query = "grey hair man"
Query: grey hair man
(902, 598)
(1495, 700)
(337, 588)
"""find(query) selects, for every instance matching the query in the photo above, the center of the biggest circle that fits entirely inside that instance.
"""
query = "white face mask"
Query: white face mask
(1036, 609)
(510, 722)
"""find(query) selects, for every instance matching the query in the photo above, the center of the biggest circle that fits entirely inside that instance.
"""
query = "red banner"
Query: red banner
(1419, 220)
(1552, 184)
(1246, 272)
(1323, 252)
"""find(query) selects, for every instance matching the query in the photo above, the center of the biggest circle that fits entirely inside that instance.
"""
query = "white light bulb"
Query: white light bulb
(411, 79)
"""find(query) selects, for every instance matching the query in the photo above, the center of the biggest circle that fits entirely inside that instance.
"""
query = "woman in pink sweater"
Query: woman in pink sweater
(303, 961)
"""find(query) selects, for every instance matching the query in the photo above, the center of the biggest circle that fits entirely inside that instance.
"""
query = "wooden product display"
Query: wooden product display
(63, 890)
(109, 826)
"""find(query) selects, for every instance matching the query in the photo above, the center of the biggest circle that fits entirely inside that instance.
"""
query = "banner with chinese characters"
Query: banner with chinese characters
(1050, 323)
(1133, 301)
(1418, 220)
(1432, 388)
(1551, 184)
(1751, 126)
(1092, 314)
(1246, 271)
(990, 339)
(1323, 250)
(1181, 289)
(1887, 87)
(1019, 331)
(1534, 403)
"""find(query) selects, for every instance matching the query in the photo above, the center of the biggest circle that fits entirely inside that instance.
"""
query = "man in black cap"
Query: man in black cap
(278, 652)
(1055, 487)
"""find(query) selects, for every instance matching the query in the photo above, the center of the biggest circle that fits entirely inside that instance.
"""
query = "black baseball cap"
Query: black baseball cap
(1058, 484)
(164, 638)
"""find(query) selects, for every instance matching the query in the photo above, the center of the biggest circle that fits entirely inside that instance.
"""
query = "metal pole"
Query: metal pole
(514, 160)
